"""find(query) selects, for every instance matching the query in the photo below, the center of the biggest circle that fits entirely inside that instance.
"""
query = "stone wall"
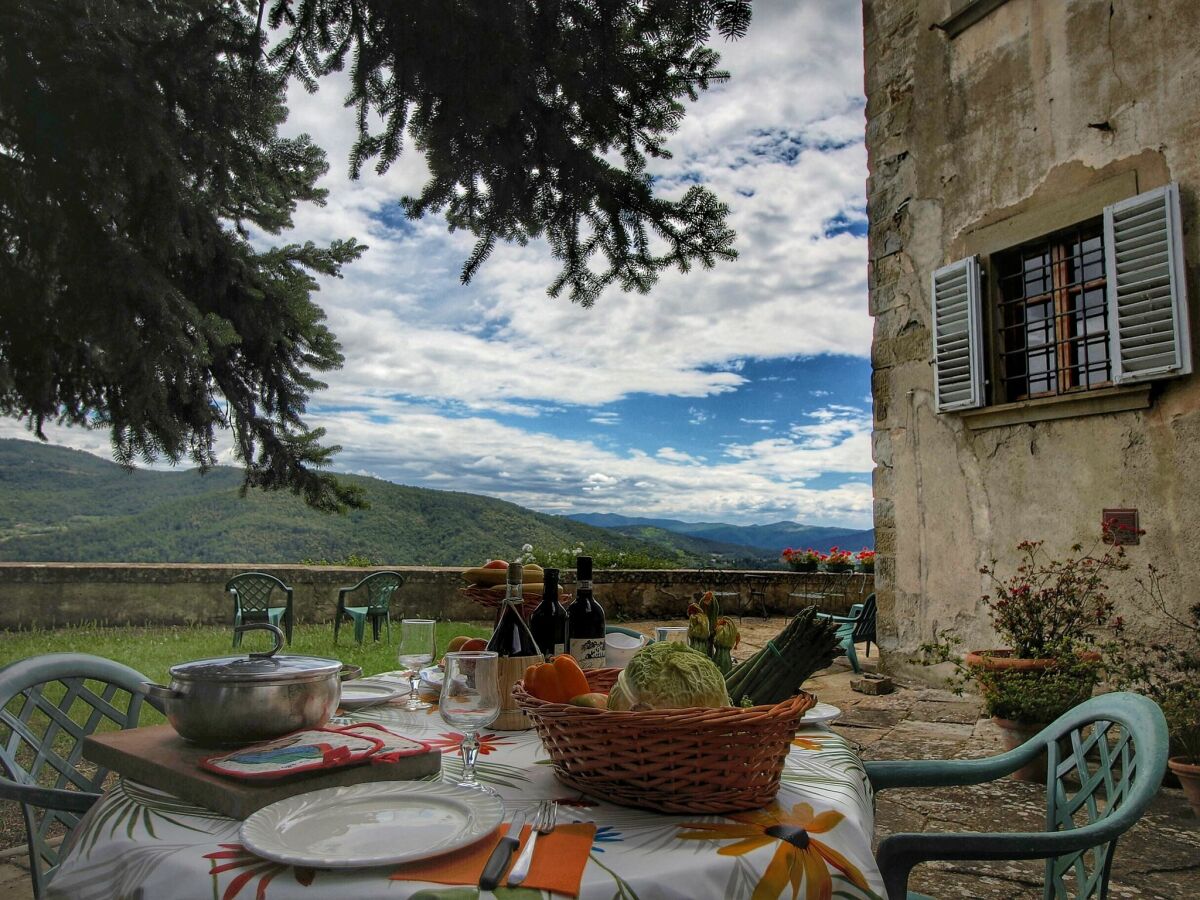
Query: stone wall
(1037, 112)
(54, 594)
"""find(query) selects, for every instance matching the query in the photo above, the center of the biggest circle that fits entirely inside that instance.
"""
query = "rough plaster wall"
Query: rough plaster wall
(969, 131)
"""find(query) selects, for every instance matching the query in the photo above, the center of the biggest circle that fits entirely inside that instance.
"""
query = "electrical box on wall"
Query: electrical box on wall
(1120, 527)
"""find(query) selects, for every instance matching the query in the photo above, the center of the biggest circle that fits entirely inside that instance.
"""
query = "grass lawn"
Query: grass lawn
(152, 651)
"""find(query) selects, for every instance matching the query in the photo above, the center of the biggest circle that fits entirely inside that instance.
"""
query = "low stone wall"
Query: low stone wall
(55, 594)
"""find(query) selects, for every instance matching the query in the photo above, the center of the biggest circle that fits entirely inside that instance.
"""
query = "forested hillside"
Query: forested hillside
(66, 505)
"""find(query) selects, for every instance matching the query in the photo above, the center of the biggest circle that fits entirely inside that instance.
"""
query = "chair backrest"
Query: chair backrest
(48, 704)
(252, 590)
(864, 628)
(1106, 759)
(380, 587)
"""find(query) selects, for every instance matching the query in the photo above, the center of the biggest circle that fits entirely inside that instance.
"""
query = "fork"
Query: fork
(544, 822)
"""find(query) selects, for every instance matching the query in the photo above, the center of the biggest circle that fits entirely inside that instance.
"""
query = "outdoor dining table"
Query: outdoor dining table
(140, 842)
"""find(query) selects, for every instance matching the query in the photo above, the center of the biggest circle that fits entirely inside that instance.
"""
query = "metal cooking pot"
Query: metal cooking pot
(243, 699)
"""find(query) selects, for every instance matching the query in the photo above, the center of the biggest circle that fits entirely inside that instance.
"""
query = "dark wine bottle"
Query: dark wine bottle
(549, 621)
(512, 636)
(517, 649)
(585, 621)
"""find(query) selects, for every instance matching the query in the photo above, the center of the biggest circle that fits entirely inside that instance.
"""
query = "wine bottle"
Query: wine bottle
(514, 643)
(549, 621)
(585, 621)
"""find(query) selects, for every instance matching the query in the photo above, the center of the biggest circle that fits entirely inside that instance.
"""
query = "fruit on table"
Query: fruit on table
(593, 700)
(456, 643)
(526, 589)
(558, 681)
(474, 645)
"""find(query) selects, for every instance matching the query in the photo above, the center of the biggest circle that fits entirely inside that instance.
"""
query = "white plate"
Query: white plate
(373, 824)
(433, 675)
(359, 694)
(821, 714)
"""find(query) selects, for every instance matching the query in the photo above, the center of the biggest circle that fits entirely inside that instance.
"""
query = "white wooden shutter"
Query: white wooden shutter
(1147, 296)
(957, 336)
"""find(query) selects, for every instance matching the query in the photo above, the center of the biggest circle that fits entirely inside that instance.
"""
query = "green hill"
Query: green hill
(60, 505)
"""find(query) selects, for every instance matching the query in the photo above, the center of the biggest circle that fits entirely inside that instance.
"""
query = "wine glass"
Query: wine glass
(470, 700)
(416, 650)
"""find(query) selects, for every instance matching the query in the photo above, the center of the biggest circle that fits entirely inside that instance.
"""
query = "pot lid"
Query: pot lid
(258, 667)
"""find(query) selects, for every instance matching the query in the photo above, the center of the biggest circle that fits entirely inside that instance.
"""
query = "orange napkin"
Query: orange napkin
(558, 860)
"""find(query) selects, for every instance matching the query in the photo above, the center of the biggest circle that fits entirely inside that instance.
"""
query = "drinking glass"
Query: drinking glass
(417, 637)
(671, 634)
(470, 701)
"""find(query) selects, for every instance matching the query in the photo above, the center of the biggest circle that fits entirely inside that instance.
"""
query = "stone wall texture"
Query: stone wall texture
(1037, 105)
(56, 594)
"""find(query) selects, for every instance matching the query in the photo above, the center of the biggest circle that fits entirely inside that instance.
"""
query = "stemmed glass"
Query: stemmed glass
(470, 701)
(417, 637)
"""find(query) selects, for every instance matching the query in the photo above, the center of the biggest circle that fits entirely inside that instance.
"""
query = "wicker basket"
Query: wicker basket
(487, 599)
(675, 760)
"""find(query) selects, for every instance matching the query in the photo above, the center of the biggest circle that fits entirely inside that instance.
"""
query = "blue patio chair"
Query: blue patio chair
(1106, 759)
(855, 628)
(251, 593)
(377, 590)
(48, 705)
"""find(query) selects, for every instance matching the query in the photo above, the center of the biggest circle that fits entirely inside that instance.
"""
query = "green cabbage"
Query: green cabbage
(668, 676)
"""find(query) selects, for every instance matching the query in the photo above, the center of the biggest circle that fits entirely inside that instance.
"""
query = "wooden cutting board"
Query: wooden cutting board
(158, 757)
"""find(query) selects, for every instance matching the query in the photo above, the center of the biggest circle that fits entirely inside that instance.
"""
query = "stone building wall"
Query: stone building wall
(54, 594)
(1037, 113)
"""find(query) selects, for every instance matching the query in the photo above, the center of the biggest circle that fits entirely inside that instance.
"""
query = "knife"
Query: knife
(497, 864)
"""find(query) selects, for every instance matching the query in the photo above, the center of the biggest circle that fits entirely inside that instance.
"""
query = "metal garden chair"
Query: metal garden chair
(252, 602)
(855, 628)
(379, 588)
(48, 705)
(1106, 759)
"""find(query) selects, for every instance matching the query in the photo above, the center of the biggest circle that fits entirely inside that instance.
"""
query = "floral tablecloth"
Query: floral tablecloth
(139, 842)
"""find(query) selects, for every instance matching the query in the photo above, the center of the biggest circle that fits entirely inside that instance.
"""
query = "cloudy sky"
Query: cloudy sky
(738, 394)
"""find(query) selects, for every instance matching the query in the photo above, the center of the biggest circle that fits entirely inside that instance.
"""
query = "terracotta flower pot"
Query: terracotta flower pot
(803, 566)
(1188, 774)
(1003, 660)
(1013, 735)
(838, 567)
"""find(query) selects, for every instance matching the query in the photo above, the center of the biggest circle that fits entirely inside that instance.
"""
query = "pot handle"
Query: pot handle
(157, 691)
(276, 634)
(349, 672)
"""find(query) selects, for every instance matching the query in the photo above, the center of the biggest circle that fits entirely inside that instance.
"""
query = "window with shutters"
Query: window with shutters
(1101, 304)
(1051, 316)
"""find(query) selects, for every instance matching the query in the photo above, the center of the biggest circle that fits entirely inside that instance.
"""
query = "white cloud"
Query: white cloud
(429, 362)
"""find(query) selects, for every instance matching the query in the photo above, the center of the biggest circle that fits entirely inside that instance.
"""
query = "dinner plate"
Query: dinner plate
(373, 824)
(359, 694)
(821, 714)
(433, 675)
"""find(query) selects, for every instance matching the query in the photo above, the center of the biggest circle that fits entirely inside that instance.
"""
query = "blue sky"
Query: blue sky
(737, 394)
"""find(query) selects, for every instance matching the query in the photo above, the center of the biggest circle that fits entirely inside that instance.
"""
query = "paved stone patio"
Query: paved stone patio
(1159, 859)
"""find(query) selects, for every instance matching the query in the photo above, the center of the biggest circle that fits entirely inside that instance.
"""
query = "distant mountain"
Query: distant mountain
(770, 538)
(65, 505)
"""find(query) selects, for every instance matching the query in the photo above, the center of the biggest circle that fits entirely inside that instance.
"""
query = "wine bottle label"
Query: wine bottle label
(560, 649)
(588, 652)
(583, 586)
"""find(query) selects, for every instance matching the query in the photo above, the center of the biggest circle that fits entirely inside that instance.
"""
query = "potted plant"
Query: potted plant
(1169, 674)
(838, 560)
(866, 560)
(802, 560)
(1050, 614)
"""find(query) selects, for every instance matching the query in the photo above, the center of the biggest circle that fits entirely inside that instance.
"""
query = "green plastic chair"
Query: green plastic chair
(48, 705)
(855, 628)
(1106, 759)
(252, 602)
(379, 588)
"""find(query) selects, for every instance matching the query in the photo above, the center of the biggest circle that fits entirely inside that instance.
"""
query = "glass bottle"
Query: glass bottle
(513, 642)
(549, 621)
(585, 620)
